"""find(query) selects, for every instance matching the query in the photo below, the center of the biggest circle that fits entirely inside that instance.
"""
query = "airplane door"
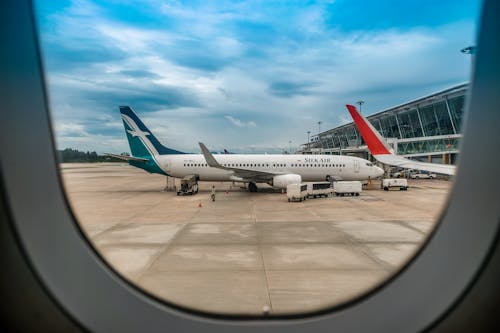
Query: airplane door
(168, 167)
(356, 166)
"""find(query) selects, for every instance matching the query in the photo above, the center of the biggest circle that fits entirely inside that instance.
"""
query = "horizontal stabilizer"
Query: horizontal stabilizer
(127, 158)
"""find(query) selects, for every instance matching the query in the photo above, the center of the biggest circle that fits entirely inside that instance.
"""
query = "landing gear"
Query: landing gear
(252, 187)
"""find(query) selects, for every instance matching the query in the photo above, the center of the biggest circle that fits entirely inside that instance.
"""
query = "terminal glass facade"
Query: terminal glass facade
(407, 123)
(457, 109)
(428, 125)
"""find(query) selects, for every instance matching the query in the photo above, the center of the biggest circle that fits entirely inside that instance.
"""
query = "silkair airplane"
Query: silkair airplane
(382, 153)
(276, 170)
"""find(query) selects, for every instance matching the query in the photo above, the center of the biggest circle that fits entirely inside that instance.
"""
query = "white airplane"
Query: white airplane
(276, 170)
(384, 154)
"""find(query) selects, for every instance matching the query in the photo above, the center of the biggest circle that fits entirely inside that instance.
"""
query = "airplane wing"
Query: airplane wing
(242, 174)
(402, 162)
(382, 152)
(127, 158)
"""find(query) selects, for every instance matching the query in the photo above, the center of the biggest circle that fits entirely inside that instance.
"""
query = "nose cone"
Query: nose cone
(378, 171)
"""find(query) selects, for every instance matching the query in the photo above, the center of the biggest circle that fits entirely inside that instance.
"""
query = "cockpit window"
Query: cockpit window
(140, 93)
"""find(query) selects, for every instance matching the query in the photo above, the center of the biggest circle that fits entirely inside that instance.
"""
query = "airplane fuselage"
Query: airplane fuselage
(309, 167)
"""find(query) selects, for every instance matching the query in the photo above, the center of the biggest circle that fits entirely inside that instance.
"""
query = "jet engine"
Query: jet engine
(282, 181)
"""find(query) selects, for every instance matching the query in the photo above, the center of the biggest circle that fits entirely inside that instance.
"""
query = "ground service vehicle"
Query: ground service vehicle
(401, 183)
(296, 192)
(347, 188)
(189, 185)
(423, 175)
(321, 189)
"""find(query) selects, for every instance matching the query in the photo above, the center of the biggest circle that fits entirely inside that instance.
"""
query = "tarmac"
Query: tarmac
(249, 253)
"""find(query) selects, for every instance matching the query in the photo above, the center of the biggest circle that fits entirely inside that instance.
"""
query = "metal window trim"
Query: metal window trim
(91, 292)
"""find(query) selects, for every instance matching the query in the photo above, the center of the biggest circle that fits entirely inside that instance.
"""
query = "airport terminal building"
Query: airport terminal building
(428, 129)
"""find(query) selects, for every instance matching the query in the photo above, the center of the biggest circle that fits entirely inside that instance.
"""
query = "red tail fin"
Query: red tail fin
(372, 138)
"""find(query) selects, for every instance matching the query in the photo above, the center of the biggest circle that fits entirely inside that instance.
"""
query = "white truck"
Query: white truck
(296, 192)
(189, 185)
(320, 189)
(347, 188)
(400, 183)
(423, 175)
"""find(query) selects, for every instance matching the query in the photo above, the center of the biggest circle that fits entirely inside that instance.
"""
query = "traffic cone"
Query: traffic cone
(199, 204)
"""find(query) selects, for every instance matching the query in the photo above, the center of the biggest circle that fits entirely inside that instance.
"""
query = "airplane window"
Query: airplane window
(132, 96)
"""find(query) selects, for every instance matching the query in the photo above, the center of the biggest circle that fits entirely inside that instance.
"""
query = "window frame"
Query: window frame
(87, 287)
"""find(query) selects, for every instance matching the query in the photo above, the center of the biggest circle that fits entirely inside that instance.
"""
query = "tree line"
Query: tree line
(70, 155)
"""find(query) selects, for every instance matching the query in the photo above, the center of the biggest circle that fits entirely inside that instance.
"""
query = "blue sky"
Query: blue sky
(249, 76)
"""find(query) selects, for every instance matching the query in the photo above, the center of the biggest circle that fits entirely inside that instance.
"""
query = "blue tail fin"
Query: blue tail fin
(141, 141)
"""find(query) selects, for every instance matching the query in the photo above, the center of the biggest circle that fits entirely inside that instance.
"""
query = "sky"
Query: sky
(248, 76)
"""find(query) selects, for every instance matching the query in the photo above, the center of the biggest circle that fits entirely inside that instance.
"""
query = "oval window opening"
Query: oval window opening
(209, 151)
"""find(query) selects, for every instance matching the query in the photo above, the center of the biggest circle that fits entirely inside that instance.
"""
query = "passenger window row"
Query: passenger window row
(320, 165)
(267, 165)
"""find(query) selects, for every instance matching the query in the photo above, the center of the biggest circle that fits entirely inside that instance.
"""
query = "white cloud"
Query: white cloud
(131, 39)
(238, 123)
(384, 68)
(70, 129)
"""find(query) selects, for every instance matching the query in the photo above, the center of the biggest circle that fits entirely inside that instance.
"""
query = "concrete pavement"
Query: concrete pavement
(247, 251)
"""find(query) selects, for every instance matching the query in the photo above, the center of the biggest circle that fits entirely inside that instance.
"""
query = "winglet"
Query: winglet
(373, 139)
(211, 161)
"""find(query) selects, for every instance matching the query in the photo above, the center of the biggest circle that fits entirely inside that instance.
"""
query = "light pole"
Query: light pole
(319, 126)
(360, 102)
(471, 50)
(308, 136)
(289, 147)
